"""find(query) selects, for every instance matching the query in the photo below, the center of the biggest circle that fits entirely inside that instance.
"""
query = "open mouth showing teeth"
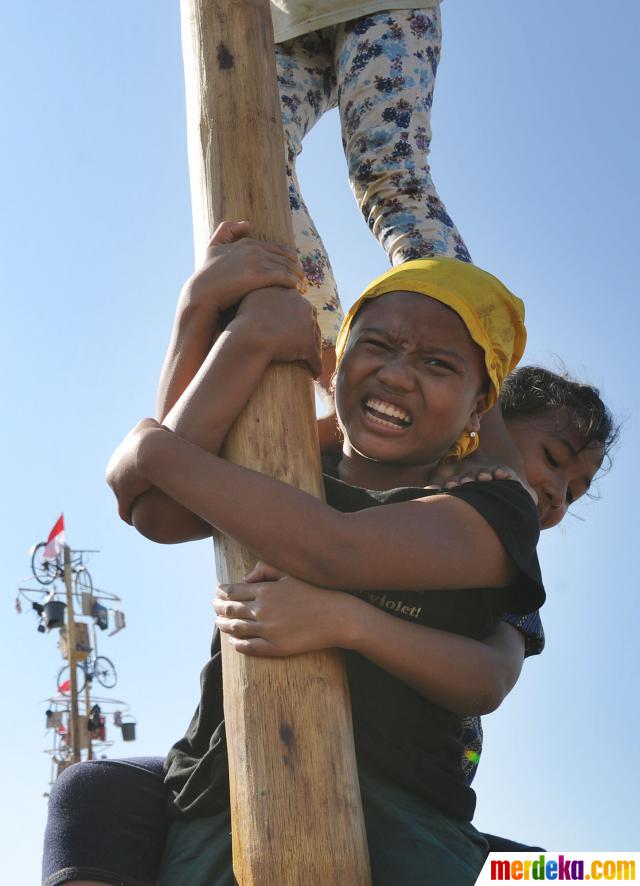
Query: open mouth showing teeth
(386, 414)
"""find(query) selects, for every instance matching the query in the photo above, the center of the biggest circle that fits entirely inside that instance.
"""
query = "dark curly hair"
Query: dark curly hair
(532, 390)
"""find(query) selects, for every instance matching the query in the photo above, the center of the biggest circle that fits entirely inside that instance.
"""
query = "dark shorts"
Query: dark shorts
(108, 822)
(410, 844)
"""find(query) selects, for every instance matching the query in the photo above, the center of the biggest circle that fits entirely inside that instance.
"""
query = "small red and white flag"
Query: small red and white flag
(56, 540)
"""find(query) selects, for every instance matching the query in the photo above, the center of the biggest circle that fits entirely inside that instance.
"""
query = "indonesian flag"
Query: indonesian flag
(56, 540)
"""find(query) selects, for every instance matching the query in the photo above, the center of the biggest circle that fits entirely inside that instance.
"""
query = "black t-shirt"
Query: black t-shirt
(397, 732)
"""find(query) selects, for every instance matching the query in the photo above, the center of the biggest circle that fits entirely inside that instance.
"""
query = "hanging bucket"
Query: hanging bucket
(54, 614)
(128, 731)
(54, 719)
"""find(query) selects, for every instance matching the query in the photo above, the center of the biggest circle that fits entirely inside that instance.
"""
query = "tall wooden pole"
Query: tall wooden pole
(74, 720)
(295, 801)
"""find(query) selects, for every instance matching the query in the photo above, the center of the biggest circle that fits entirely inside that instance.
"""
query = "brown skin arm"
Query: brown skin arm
(431, 543)
(155, 514)
(271, 324)
(468, 677)
(233, 266)
(211, 404)
(278, 615)
(194, 332)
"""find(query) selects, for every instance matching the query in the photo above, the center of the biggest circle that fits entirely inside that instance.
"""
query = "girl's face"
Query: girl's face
(556, 463)
(410, 382)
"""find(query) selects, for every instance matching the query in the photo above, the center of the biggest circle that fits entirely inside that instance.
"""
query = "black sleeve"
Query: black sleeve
(512, 515)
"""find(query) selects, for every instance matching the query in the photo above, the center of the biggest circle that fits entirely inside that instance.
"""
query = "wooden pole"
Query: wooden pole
(74, 720)
(295, 801)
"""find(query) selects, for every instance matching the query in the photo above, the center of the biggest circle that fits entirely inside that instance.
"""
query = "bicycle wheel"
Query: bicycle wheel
(45, 571)
(64, 679)
(105, 672)
(83, 580)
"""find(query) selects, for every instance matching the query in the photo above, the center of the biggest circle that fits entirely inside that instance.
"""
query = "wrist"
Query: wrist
(256, 338)
(148, 448)
(198, 304)
(350, 621)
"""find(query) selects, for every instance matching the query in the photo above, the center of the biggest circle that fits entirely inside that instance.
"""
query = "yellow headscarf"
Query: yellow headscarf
(494, 317)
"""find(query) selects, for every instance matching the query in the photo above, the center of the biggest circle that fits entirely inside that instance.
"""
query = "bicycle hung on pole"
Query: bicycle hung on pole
(89, 667)
(47, 569)
(96, 667)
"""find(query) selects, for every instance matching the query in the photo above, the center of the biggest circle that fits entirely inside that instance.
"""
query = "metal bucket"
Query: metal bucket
(128, 731)
(54, 719)
(54, 614)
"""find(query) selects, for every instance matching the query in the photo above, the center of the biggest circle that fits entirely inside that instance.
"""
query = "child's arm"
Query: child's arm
(438, 542)
(271, 324)
(466, 676)
(286, 617)
(234, 265)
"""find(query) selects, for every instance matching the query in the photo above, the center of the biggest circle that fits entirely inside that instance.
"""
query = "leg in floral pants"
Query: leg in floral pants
(380, 72)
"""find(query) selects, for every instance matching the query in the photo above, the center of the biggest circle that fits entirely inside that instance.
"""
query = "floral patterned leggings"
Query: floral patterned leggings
(380, 71)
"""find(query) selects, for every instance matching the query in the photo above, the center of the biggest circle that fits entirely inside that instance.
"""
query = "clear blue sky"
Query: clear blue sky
(535, 155)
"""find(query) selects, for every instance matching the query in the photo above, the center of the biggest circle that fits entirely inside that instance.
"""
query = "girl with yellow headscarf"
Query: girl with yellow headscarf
(422, 356)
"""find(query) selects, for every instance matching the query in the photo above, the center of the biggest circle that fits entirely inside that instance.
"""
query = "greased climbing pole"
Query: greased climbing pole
(295, 802)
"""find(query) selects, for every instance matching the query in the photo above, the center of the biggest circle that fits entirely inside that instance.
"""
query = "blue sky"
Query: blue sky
(534, 153)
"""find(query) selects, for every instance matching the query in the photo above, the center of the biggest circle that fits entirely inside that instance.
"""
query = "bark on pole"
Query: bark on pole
(295, 801)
